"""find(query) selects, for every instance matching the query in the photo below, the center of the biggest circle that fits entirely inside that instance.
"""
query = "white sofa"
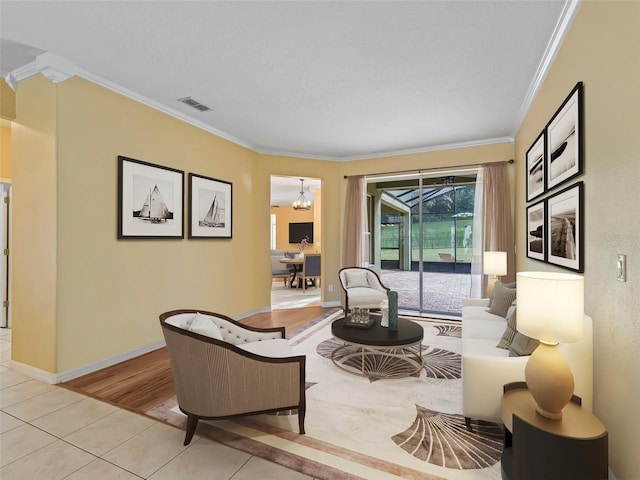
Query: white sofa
(486, 368)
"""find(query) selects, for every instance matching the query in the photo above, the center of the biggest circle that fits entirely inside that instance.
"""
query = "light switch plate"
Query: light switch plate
(621, 268)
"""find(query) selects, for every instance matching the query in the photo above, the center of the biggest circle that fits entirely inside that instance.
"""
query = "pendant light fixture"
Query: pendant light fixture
(302, 203)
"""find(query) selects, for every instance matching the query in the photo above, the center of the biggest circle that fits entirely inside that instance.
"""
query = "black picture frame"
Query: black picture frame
(150, 200)
(536, 163)
(536, 229)
(210, 207)
(565, 228)
(565, 140)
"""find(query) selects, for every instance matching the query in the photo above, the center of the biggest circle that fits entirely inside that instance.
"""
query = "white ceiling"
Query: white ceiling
(324, 79)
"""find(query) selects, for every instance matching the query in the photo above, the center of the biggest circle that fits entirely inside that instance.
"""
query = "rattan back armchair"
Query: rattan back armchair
(217, 379)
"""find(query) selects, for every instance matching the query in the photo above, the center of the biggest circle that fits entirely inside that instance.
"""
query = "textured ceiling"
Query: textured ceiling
(324, 79)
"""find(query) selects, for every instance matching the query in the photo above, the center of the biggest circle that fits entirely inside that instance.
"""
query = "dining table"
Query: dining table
(297, 263)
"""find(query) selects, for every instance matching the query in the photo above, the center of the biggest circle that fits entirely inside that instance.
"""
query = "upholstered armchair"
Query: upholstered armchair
(224, 369)
(361, 288)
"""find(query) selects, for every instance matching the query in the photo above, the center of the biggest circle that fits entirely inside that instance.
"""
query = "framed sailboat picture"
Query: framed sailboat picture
(150, 200)
(210, 207)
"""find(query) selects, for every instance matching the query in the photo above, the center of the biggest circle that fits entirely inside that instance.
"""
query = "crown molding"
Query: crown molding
(58, 69)
(392, 153)
(54, 68)
(114, 87)
(431, 148)
(562, 27)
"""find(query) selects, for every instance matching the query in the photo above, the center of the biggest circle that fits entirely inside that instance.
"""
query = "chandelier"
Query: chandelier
(302, 203)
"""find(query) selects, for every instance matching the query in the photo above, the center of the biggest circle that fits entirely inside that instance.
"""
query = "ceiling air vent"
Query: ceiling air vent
(193, 103)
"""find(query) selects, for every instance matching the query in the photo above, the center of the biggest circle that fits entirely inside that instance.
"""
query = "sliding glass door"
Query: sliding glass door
(421, 238)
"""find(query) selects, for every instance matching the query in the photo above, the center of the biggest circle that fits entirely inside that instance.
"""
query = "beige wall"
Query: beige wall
(5, 149)
(7, 101)
(602, 50)
(34, 234)
(7, 113)
(79, 294)
(284, 216)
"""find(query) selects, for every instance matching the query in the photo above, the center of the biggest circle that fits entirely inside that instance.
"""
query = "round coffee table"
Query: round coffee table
(379, 352)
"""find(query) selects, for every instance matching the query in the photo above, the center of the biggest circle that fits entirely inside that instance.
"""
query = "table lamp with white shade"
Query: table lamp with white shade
(494, 263)
(550, 309)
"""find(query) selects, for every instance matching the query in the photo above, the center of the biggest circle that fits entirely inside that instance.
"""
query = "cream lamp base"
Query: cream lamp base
(491, 284)
(549, 380)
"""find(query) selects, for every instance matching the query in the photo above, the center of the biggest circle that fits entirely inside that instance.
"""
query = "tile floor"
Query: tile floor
(50, 433)
(443, 292)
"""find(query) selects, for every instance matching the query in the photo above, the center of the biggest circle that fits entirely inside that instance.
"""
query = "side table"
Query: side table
(536, 448)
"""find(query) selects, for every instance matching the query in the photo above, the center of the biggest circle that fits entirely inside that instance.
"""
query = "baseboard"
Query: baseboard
(32, 372)
(255, 311)
(611, 476)
(332, 304)
(54, 378)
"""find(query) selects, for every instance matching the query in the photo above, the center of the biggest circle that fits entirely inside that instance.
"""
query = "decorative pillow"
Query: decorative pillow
(508, 285)
(510, 331)
(502, 299)
(182, 320)
(357, 278)
(522, 345)
(205, 326)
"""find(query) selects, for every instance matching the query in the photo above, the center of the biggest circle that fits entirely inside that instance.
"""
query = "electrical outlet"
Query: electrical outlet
(331, 287)
(621, 268)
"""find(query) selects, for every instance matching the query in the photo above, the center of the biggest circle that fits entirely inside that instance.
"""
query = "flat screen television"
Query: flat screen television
(299, 230)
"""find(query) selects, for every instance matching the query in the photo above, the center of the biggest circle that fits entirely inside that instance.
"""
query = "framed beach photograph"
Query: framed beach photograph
(150, 200)
(565, 140)
(565, 239)
(535, 168)
(210, 207)
(536, 231)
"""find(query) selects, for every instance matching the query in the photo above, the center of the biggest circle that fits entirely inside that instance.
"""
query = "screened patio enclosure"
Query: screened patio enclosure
(421, 239)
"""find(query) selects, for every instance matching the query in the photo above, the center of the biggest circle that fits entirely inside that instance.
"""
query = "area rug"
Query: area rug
(367, 428)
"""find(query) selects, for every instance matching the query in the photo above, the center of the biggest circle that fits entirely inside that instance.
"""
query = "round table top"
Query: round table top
(576, 422)
(408, 333)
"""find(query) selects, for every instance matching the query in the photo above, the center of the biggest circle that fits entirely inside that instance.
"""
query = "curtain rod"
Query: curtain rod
(423, 170)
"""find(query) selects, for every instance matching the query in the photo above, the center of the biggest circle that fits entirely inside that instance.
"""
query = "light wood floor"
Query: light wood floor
(146, 381)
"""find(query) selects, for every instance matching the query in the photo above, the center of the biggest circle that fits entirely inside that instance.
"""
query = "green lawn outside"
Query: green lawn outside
(436, 240)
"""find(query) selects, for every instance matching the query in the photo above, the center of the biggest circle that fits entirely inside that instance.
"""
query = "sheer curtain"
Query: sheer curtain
(477, 290)
(492, 217)
(354, 247)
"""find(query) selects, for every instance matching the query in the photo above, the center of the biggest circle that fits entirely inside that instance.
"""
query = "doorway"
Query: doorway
(4, 245)
(289, 225)
(422, 238)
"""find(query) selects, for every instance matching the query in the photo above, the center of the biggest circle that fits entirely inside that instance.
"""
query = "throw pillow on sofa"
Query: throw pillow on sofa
(510, 331)
(508, 285)
(503, 297)
(522, 345)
